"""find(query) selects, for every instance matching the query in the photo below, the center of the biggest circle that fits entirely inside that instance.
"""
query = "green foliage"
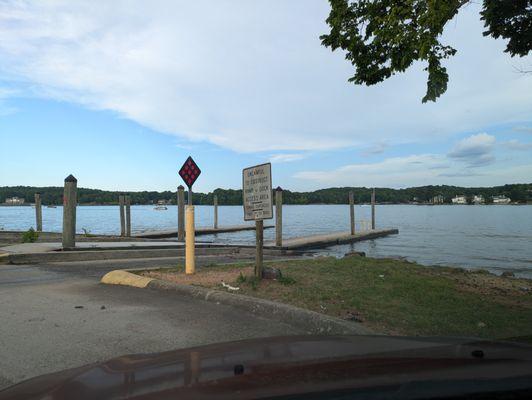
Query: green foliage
(384, 37)
(53, 195)
(512, 20)
(253, 282)
(86, 232)
(30, 236)
(241, 279)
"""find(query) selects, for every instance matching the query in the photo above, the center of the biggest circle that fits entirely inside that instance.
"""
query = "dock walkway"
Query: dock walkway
(172, 233)
(330, 239)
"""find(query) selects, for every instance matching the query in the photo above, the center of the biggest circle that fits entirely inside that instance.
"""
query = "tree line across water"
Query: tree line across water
(521, 193)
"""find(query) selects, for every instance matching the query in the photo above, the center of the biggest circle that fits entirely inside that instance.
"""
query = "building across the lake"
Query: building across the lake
(459, 200)
(501, 200)
(478, 199)
(14, 201)
(437, 199)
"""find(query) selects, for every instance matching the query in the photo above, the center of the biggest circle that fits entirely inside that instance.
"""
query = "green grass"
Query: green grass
(400, 297)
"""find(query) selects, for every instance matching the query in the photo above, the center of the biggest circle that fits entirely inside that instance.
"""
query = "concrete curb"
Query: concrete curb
(310, 321)
(4, 258)
(121, 277)
(127, 253)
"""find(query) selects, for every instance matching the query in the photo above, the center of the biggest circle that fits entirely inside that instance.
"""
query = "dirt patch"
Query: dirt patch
(207, 278)
(511, 291)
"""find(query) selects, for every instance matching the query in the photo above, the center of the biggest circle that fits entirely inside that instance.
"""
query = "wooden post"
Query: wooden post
(122, 215)
(70, 200)
(189, 196)
(38, 212)
(215, 202)
(127, 200)
(259, 232)
(279, 216)
(352, 211)
(373, 209)
(180, 213)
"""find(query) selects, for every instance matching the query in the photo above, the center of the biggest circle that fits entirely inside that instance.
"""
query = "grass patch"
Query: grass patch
(390, 296)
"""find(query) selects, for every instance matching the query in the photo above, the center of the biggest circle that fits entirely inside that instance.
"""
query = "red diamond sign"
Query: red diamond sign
(189, 172)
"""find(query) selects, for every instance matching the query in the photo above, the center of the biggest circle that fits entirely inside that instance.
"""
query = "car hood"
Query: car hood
(294, 365)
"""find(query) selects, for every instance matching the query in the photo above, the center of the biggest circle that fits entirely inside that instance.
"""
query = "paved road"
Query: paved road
(59, 316)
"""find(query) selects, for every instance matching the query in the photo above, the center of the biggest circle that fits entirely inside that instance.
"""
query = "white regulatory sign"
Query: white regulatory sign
(257, 192)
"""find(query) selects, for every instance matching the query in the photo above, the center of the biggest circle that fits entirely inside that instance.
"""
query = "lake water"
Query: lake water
(496, 237)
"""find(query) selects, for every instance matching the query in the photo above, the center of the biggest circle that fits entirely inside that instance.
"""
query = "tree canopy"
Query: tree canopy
(53, 195)
(384, 37)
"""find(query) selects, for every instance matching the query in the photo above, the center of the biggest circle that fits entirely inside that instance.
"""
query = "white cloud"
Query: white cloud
(377, 148)
(286, 157)
(517, 145)
(475, 150)
(248, 76)
(525, 129)
(392, 172)
(5, 108)
(415, 170)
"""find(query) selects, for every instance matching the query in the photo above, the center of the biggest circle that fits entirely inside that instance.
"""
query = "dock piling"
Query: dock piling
(352, 211)
(278, 216)
(180, 213)
(70, 201)
(38, 212)
(127, 200)
(373, 209)
(121, 204)
(215, 203)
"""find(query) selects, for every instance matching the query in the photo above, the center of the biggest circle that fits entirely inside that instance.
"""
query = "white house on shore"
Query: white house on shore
(14, 201)
(437, 199)
(478, 199)
(501, 200)
(459, 200)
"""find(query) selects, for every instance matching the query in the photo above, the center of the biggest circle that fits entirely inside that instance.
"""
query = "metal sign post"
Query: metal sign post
(190, 172)
(258, 204)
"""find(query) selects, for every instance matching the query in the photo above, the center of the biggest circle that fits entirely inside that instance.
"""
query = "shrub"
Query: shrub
(86, 232)
(241, 279)
(254, 282)
(30, 236)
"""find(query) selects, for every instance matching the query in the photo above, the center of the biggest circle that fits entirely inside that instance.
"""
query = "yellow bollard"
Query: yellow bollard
(190, 257)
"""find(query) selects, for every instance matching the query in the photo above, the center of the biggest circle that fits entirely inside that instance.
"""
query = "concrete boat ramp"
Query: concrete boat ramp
(42, 253)
(46, 252)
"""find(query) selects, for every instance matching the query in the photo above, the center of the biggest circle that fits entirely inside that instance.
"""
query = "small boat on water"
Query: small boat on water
(161, 205)
(51, 206)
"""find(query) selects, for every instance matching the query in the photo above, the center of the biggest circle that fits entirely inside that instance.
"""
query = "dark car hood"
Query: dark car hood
(293, 365)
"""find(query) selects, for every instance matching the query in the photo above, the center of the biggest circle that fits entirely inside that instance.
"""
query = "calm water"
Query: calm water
(495, 237)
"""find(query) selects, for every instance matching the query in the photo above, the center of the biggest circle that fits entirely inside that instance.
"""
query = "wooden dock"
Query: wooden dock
(330, 239)
(172, 233)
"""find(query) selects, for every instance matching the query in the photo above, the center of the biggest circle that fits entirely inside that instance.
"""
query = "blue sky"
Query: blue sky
(119, 94)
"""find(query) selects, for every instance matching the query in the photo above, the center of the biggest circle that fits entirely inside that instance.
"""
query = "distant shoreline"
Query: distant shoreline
(287, 205)
(422, 195)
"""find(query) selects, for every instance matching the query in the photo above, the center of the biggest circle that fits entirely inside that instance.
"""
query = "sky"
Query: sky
(120, 93)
